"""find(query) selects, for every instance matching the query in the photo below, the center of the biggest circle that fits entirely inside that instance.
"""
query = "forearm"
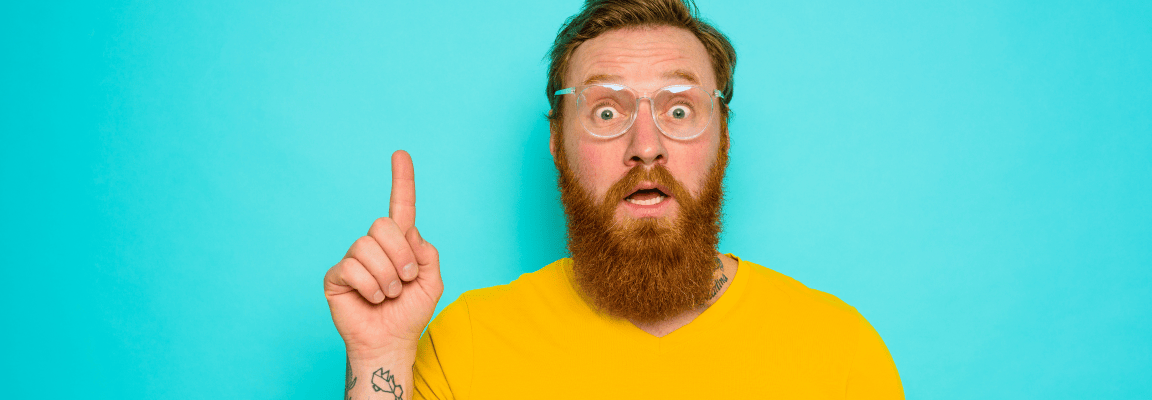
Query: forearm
(385, 377)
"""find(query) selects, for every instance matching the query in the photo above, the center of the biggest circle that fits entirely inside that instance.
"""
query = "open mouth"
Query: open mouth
(646, 197)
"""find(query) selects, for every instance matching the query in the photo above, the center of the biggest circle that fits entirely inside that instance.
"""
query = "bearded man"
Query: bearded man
(646, 307)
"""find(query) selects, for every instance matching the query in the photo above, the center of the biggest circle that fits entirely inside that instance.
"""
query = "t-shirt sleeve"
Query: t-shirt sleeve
(444, 355)
(873, 374)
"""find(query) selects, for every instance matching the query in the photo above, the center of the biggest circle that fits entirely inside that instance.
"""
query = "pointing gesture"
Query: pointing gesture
(402, 205)
(384, 290)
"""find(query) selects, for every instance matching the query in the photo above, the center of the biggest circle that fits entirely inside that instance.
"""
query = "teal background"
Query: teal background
(974, 176)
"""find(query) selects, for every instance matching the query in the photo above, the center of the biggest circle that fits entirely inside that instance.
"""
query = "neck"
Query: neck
(722, 278)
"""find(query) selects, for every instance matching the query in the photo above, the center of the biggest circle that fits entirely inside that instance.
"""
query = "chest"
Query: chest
(752, 363)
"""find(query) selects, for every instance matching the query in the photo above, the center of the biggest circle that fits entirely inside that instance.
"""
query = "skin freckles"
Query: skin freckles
(643, 59)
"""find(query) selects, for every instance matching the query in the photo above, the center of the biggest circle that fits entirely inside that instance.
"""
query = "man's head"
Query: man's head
(643, 207)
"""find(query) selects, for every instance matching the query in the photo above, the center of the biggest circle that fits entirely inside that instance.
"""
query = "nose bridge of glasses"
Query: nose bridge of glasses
(651, 103)
(654, 111)
(651, 111)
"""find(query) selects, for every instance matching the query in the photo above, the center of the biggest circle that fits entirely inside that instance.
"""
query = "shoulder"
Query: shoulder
(792, 289)
(788, 298)
(822, 332)
(468, 325)
(545, 289)
(537, 285)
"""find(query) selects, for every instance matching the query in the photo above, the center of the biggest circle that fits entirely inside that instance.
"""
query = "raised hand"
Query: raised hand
(384, 291)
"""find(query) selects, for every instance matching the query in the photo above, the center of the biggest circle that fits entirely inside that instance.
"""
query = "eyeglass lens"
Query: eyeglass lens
(680, 111)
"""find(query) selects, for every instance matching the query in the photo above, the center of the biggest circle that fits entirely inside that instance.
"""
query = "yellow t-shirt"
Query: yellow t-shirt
(768, 336)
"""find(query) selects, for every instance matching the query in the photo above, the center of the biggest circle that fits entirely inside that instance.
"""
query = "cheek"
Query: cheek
(590, 164)
(695, 163)
(597, 165)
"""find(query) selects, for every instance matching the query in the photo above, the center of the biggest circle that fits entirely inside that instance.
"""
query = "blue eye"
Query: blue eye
(678, 112)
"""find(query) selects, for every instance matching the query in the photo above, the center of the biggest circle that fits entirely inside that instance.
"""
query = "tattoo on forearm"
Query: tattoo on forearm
(349, 382)
(384, 382)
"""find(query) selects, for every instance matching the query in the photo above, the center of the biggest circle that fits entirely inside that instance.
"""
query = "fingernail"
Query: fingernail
(409, 271)
(394, 288)
(378, 297)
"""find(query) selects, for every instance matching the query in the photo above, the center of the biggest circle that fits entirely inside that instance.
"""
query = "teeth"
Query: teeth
(648, 202)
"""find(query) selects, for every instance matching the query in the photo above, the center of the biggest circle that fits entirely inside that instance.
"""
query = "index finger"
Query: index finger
(402, 205)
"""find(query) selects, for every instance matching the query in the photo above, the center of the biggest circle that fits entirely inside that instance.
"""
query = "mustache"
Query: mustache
(656, 174)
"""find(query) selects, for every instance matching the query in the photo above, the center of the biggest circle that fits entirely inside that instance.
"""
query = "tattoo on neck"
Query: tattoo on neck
(718, 282)
(384, 382)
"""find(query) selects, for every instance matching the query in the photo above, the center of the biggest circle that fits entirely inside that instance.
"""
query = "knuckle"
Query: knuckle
(383, 223)
(362, 243)
(344, 268)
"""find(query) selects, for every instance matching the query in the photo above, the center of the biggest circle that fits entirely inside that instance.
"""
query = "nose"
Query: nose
(645, 142)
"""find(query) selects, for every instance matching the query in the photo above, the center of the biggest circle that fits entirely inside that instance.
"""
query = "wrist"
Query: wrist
(384, 355)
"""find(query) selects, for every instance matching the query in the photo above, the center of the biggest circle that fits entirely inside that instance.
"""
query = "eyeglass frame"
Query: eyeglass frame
(616, 86)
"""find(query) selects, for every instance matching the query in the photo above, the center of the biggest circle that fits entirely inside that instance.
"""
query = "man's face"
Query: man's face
(645, 59)
(650, 261)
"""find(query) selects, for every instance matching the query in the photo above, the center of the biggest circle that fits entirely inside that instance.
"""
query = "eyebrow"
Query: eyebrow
(601, 78)
(681, 74)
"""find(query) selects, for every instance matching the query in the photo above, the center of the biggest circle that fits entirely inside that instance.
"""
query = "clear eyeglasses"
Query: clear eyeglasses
(607, 110)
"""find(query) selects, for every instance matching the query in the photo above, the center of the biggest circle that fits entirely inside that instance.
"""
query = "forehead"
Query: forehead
(642, 57)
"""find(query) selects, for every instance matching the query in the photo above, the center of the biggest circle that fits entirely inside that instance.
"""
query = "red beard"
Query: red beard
(645, 270)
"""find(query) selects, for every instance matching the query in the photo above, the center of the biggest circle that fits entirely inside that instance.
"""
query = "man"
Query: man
(646, 307)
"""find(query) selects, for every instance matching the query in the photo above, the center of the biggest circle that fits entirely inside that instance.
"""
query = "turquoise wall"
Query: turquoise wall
(974, 176)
